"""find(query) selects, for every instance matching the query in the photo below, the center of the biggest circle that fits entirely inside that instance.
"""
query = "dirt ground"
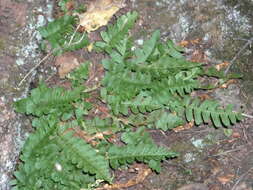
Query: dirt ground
(210, 159)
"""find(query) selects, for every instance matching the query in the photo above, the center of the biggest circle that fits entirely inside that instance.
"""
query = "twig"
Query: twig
(242, 176)
(48, 55)
(238, 54)
(248, 116)
(35, 67)
(73, 35)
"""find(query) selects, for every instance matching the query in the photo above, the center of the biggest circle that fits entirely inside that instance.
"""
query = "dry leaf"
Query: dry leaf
(225, 179)
(204, 97)
(186, 43)
(90, 47)
(232, 81)
(222, 65)
(91, 139)
(184, 127)
(66, 63)
(236, 135)
(198, 56)
(99, 12)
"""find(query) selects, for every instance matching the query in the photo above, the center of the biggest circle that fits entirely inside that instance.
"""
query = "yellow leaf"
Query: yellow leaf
(90, 47)
(98, 13)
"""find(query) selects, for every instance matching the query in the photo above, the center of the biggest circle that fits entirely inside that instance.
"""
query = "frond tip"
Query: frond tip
(210, 110)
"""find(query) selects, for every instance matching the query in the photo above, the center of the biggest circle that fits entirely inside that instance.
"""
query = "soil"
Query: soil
(214, 159)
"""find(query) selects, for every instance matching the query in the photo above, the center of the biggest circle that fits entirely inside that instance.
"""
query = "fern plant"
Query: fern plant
(61, 36)
(157, 76)
(144, 87)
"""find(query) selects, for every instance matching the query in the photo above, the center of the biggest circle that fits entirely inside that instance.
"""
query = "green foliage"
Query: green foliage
(144, 87)
(116, 35)
(210, 110)
(84, 156)
(79, 75)
(59, 33)
(140, 147)
(52, 160)
(44, 100)
(157, 78)
(146, 153)
(62, 4)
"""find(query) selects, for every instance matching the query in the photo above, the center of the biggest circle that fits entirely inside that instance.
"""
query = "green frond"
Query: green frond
(84, 156)
(211, 110)
(115, 36)
(46, 130)
(142, 54)
(142, 153)
(137, 137)
(58, 33)
(80, 74)
(167, 121)
(97, 125)
(44, 100)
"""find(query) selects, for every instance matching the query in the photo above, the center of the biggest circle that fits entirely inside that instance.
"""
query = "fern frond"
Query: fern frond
(44, 165)
(142, 103)
(142, 153)
(211, 110)
(167, 120)
(115, 36)
(142, 54)
(58, 33)
(44, 100)
(171, 85)
(137, 137)
(97, 125)
(79, 75)
(40, 138)
(84, 156)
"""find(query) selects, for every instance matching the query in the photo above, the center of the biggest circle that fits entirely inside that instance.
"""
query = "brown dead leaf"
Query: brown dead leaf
(225, 179)
(222, 65)
(99, 13)
(232, 81)
(186, 43)
(142, 174)
(184, 127)
(91, 139)
(66, 63)
(198, 56)
(236, 135)
(204, 97)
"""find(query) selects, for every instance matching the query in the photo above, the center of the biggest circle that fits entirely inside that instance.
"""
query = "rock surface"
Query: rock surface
(18, 54)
